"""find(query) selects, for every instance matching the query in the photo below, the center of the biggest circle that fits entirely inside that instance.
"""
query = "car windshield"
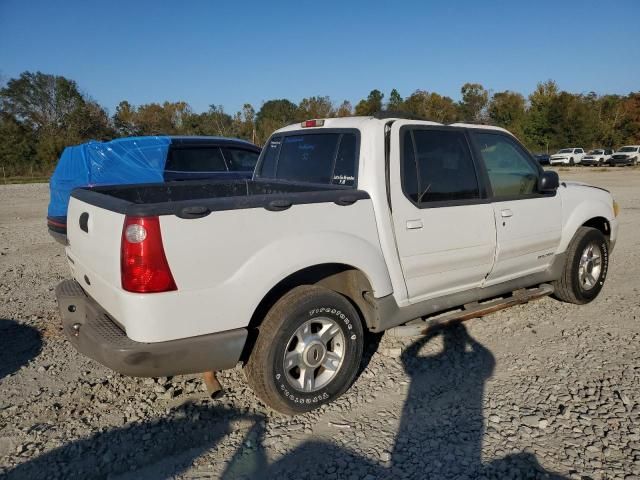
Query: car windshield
(628, 149)
(596, 152)
(566, 150)
(311, 157)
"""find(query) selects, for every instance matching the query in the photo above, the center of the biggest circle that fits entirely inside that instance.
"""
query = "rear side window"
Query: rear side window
(207, 159)
(329, 158)
(240, 160)
(510, 171)
(437, 167)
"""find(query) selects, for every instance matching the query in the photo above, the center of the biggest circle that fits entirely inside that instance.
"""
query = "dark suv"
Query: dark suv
(151, 159)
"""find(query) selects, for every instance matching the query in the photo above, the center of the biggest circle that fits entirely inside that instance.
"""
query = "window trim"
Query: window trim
(483, 197)
(311, 131)
(525, 153)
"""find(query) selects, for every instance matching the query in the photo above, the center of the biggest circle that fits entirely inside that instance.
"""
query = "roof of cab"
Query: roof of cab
(360, 122)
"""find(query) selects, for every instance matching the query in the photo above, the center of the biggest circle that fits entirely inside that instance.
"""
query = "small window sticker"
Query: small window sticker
(343, 179)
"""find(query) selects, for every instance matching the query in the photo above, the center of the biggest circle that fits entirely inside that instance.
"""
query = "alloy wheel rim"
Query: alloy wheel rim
(590, 266)
(314, 354)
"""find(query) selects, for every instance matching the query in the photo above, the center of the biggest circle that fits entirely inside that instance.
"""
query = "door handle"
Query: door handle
(506, 213)
(414, 224)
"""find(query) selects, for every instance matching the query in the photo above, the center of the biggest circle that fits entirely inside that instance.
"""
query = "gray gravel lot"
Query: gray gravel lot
(543, 390)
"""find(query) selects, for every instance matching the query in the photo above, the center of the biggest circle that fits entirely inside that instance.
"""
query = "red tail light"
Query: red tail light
(143, 264)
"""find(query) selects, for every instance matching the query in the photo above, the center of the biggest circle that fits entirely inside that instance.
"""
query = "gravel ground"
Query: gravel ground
(543, 390)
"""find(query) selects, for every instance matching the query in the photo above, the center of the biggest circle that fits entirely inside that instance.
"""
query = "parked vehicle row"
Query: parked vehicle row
(627, 155)
(348, 224)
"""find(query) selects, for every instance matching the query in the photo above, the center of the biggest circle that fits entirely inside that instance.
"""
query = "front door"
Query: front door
(529, 224)
(443, 221)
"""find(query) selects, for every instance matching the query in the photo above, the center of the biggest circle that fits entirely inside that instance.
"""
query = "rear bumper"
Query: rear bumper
(90, 330)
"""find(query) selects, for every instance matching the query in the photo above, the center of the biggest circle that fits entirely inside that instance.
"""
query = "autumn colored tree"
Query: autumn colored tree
(431, 106)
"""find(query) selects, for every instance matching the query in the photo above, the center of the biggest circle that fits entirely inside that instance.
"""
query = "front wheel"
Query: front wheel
(308, 350)
(585, 268)
(571, 162)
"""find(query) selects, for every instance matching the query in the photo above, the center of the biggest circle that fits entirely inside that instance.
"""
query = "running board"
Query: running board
(471, 310)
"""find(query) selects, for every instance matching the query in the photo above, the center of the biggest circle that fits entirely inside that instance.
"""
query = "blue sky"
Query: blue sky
(229, 53)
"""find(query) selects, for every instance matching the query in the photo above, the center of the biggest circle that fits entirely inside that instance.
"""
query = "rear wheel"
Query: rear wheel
(308, 350)
(585, 268)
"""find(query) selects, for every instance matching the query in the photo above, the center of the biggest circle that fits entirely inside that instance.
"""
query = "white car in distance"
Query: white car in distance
(599, 156)
(567, 156)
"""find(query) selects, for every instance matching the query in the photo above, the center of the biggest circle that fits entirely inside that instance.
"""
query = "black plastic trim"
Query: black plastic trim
(313, 193)
(90, 329)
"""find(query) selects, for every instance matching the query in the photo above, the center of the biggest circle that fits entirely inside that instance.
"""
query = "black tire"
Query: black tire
(569, 287)
(265, 370)
(571, 162)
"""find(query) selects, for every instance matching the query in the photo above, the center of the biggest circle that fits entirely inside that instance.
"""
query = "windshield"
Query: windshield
(329, 158)
(566, 150)
(628, 149)
(596, 152)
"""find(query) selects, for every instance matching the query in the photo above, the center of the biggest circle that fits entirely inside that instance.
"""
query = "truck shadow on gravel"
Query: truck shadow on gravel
(441, 427)
(19, 344)
(440, 434)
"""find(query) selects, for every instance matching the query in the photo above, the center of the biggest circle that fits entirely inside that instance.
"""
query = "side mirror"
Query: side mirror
(549, 182)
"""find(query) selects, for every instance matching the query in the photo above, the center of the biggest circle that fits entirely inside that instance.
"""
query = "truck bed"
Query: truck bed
(227, 244)
(193, 199)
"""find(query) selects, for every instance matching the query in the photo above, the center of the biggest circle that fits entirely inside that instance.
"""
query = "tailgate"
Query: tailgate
(94, 235)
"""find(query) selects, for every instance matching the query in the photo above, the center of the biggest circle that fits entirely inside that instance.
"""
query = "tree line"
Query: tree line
(40, 114)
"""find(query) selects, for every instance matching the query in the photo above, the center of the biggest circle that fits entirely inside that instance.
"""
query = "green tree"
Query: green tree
(395, 101)
(507, 110)
(371, 105)
(474, 101)
(16, 147)
(274, 114)
(54, 109)
(538, 127)
(39, 100)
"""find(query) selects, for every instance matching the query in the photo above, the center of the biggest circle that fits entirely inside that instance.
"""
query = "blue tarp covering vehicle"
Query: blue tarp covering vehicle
(149, 159)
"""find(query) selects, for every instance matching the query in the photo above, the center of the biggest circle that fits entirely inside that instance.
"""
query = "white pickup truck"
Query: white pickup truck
(348, 225)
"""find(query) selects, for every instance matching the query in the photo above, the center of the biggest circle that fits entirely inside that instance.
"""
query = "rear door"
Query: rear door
(443, 221)
(528, 224)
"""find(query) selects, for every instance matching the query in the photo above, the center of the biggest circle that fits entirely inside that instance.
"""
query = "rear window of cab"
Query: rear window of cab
(327, 157)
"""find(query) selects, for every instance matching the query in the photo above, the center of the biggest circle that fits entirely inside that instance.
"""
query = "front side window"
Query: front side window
(329, 158)
(510, 171)
(207, 159)
(437, 167)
